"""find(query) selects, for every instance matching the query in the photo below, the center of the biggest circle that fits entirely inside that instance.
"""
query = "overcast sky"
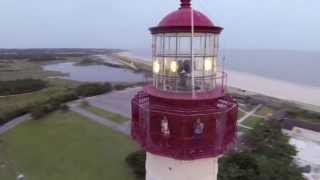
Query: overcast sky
(254, 24)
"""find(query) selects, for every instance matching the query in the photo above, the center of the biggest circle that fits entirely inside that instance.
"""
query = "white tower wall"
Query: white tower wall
(163, 168)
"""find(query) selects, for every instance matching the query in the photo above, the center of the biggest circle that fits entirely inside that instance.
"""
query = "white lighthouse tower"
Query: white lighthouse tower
(184, 120)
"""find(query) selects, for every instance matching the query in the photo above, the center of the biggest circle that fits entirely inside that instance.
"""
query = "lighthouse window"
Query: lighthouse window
(172, 65)
(209, 45)
(216, 45)
(156, 67)
(208, 64)
(170, 45)
(199, 63)
(184, 46)
(198, 45)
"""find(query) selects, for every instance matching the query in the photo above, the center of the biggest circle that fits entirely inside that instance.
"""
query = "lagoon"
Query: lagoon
(95, 73)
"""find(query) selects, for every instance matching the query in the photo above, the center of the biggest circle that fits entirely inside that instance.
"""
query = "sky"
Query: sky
(248, 24)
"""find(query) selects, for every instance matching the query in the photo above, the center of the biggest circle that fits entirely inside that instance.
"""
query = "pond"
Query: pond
(95, 73)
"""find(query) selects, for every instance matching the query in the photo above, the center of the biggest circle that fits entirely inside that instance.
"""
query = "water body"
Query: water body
(95, 73)
(298, 67)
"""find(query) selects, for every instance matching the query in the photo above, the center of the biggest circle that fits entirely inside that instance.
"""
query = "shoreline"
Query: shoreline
(307, 97)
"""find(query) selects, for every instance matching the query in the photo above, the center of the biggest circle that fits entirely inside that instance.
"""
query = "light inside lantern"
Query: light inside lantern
(156, 67)
(208, 64)
(215, 65)
(174, 66)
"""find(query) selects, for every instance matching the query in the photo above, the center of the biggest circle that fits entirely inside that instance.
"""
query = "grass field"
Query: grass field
(106, 114)
(265, 111)
(64, 146)
(252, 121)
(240, 114)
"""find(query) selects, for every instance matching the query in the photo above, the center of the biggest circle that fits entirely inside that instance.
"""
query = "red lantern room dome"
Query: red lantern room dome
(180, 21)
(182, 17)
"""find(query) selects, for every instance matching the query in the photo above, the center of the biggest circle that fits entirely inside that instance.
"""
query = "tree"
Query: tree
(267, 139)
(92, 89)
(238, 166)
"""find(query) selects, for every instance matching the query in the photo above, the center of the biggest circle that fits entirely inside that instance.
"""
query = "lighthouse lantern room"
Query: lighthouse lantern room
(184, 120)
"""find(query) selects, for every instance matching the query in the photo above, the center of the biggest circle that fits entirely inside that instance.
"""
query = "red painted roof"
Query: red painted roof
(182, 17)
(180, 21)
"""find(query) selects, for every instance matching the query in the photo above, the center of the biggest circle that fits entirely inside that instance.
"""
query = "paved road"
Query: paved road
(13, 123)
(117, 101)
(122, 128)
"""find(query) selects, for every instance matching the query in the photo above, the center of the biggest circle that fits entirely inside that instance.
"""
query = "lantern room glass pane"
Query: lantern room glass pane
(173, 61)
(184, 45)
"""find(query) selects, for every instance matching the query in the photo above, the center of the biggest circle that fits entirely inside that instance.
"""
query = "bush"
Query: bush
(93, 89)
(6, 117)
(238, 166)
(43, 110)
(64, 108)
(136, 161)
(120, 87)
(21, 86)
(22, 104)
(53, 104)
(266, 155)
(84, 104)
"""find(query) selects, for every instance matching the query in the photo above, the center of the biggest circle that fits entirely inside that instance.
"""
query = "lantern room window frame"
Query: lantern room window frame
(172, 52)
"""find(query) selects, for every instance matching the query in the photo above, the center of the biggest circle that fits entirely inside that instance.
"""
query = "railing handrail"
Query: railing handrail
(218, 75)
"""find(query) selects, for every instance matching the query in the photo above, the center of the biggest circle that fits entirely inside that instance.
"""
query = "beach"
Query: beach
(275, 88)
(304, 95)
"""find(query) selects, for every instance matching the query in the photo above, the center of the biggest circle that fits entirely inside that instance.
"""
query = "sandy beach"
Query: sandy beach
(307, 96)
(274, 88)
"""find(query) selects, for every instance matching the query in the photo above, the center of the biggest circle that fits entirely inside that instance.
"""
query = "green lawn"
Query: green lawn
(240, 114)
(64, 146)
(265, 111)
(252, 121)
(106, 114)
(243, 129)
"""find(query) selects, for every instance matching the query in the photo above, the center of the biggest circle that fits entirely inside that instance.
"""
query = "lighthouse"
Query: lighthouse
(184, 120)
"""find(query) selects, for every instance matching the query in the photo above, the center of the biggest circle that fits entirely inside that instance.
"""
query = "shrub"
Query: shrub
(43, 110)
(84, 103)
(64, 108)
(21, 86)
(53, 104)
(120, 87)
(92, 89)
(23, 104)
(136, 161)
(238, 166)
(6, 117)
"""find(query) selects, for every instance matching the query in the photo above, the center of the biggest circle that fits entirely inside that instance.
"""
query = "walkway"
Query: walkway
(116, 101)
(13, 123)
(122, 128)
(254, 110)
